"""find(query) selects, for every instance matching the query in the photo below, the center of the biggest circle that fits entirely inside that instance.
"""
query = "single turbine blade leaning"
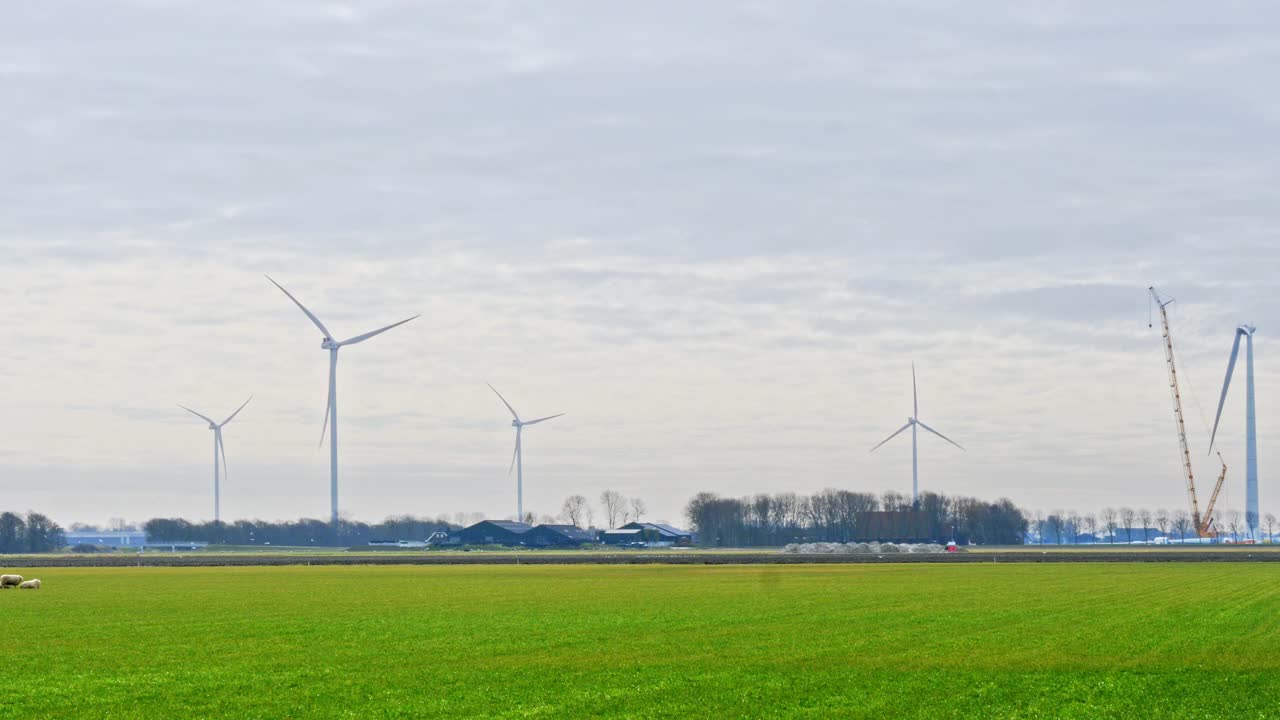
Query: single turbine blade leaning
(504, 401)
(237, 412)
(915, 397)
(894, 435)
(304, 309)
(543, 419)
(379, 331)
(514, 453)
(944, 437)
(223, 448)
(328, 403)
(193, 412)
(1226, 384)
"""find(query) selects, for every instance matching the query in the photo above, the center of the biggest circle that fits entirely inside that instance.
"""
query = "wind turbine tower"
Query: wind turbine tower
(913, 422)
(517, 458)
(218, 448)
(331, 407)
(1250, 425)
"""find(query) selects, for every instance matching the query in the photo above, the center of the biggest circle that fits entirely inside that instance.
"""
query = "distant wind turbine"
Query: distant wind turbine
(1250, 425)
(218, 448)
(517, 458)
(912, 422)
(331, 407)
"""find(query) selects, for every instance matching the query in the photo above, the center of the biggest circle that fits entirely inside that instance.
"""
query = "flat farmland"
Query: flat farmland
(1063, 640)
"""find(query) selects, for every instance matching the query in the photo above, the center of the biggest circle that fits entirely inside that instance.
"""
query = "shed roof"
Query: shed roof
(660, 528)
(508, 525)
(573, 532)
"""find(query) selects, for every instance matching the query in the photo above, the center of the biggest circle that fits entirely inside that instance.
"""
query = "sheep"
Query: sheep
(30, 585)
(8, 581)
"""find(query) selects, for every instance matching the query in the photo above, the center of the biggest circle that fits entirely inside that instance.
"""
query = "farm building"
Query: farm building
(648, 533)
(558, 535)
(493, 532)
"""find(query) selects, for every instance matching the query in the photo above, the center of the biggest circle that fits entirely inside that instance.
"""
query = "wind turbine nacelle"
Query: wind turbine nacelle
(328, 344)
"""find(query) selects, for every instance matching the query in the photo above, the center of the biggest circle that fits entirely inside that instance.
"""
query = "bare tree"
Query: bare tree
(1057, 524)
(1234, 520)
(1041, 526)
(614, 506)
(1182, 523)
(1127, 516)
(1073, 526)
(575, 510)
(1145, 517)
(1162, 521)
(1090, 524)
(1270, 522)
(638, 509)
(529, 518)
(1108, 516)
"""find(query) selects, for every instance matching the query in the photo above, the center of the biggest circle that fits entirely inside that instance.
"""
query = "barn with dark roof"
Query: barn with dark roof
(493, 532)
(559, 536)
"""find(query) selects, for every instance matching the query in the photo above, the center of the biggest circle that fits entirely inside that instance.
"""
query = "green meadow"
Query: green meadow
(583, 641)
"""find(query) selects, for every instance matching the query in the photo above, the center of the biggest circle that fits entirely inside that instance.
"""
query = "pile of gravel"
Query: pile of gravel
(875, 548)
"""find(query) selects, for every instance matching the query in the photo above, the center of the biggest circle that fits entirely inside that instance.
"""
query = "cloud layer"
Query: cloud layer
(716, 236)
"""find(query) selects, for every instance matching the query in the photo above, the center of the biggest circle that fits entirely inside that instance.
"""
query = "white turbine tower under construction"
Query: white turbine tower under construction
(913, 422)
(218, 449)
(517, 458)
(1250, 426)
(331, 407)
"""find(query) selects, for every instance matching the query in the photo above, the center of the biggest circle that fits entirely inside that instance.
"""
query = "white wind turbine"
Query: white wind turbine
(331, 407)
(517, 458)
(912, 422)
(218, 447)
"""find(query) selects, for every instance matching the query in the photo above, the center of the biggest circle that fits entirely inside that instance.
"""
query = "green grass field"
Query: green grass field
(974, 641)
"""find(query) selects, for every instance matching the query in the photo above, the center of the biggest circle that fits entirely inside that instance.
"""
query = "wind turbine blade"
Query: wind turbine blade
(193, 412)
(915, 397)
(379, 331)
(944, 437)
(504, 401)
(237, 412)
(894, 435)
(514, 452)
(223, 448)
(1226, 384)
(328, 406)
(304, 309)
(541, 419)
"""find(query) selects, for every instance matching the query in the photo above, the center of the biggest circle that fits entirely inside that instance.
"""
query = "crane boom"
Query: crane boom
(1177, 410)
(1207, 530)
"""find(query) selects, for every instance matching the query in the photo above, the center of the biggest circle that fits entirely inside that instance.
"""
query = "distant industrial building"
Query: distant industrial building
(896, 526)
(111, 539)
(653, 534)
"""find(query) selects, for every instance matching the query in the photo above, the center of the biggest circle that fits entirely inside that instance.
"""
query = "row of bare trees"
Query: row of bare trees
(616, 509)
(1129, 525)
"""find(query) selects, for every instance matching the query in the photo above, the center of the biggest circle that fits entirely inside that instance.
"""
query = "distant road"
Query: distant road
(688, 557)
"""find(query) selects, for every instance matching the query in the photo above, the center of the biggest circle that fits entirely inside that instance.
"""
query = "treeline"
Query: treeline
(832, 516)
(33, 534)
(305, 532)
(1127, 525)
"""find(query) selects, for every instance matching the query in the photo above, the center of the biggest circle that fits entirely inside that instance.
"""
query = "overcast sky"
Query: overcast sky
(715, 234)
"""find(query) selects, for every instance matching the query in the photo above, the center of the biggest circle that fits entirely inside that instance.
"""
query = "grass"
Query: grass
(904, 641)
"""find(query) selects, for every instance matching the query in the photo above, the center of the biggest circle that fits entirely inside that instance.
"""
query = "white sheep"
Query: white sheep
(30, 585)
(8, 581)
